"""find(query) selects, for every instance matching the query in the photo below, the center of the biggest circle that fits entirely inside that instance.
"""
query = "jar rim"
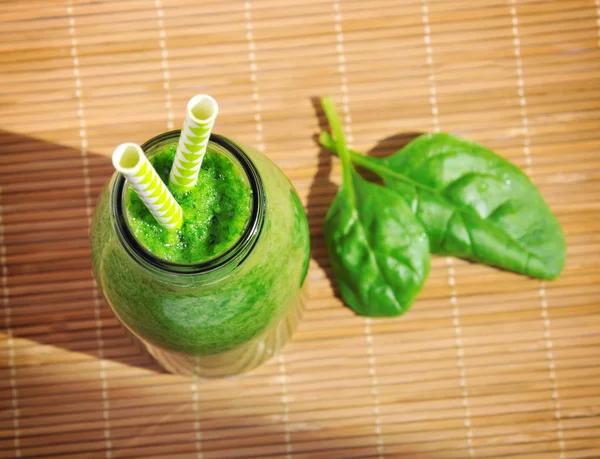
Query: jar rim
(237, 252)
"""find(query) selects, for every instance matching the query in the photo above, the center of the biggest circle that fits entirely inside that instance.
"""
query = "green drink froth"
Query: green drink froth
(215, 211)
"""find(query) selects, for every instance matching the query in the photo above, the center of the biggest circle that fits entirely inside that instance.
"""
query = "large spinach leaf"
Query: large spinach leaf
(378, 250)
(473, 203)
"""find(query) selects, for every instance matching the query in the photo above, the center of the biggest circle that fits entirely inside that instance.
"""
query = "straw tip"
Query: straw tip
(203, 108)
(127, 156)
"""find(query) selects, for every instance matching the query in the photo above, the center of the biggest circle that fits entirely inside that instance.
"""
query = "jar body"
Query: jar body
(219, 323)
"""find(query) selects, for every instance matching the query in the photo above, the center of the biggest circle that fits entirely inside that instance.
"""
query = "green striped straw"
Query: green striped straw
(199, 121)
(129, 159)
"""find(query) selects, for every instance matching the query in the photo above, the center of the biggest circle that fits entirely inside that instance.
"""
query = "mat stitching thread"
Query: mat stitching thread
(196, 408)
(14, 393)
(598, 20)
(253, 75)
(542, 286)
(164, 61)
(374, 392)
(350, 139)
(342, 71)
(284, 401)
(259, 140)
(464, 392)
(521, 87)
(89, 204)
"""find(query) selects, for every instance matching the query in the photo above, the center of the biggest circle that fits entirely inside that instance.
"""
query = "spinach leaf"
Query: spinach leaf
(378, 250)
(473, 203)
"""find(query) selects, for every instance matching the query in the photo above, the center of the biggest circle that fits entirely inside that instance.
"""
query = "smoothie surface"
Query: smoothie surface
(215, 211)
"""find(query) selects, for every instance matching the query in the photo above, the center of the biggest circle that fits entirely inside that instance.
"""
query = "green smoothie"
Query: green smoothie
(211, 319)
(215, 211)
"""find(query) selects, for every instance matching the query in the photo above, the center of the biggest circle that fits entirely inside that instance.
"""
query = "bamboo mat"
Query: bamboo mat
(486, 364)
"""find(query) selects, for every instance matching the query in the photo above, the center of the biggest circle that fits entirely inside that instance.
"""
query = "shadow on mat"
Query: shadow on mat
(46, 200)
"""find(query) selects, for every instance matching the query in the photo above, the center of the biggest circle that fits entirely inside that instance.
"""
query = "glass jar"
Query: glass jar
(224, 316)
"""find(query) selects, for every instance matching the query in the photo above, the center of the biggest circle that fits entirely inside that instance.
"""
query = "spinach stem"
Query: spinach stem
(339, 141)
(373, 164)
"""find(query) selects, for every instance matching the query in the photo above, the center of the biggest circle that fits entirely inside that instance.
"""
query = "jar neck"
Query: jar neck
(209, 270)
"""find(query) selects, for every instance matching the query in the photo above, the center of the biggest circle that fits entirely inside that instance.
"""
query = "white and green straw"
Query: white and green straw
(199, 121)
(129, 159)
